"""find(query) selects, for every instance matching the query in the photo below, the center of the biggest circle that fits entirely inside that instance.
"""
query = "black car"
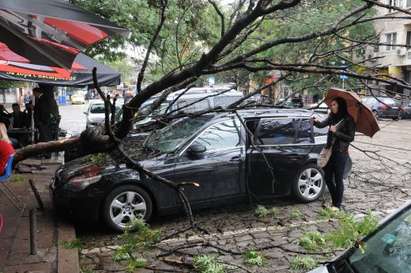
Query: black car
(275, 155)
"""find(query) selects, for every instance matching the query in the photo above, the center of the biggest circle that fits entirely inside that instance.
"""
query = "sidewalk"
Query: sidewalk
(15, 254)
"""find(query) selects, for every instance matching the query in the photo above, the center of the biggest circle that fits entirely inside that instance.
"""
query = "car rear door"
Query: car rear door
(281, 147)
(220, 169)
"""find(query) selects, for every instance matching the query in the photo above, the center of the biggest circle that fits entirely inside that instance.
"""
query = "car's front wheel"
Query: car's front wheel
(125, 204)
(309, 183)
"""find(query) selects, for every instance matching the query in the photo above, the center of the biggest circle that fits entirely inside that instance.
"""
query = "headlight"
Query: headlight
(81, 182)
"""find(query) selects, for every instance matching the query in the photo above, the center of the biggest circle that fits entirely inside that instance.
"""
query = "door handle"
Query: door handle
(236, 158)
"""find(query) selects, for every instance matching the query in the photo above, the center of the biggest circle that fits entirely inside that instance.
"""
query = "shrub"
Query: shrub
(302, 263)
(208, 264)
(253, 257)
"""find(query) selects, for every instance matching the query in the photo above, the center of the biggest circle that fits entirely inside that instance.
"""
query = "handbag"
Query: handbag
(325, 153)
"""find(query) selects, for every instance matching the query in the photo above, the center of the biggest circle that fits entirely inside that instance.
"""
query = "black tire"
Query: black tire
(110, 210)
(314, 185)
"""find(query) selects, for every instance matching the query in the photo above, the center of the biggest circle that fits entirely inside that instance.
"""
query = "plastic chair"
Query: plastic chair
(5, 189)
(8, 170)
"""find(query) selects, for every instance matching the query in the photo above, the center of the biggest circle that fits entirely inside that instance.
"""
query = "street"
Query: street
(379, 183)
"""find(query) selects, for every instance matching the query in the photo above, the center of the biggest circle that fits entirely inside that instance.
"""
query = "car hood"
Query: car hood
(105, 165)
(96, 117)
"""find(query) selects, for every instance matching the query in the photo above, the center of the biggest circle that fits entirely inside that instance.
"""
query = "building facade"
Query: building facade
(392, 58)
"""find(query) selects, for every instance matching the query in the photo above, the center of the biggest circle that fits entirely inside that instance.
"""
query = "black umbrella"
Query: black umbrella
(79, 75)
(52, 33)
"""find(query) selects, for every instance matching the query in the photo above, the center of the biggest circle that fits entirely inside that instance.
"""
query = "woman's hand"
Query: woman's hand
(314, 120)
(333, 128)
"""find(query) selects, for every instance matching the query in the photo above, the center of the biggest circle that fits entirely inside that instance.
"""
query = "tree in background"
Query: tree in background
(306, 41)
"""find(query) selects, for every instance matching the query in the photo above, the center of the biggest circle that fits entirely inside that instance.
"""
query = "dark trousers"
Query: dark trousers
(334, 176)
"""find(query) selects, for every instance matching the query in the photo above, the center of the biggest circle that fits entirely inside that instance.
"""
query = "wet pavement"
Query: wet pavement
(380, 182)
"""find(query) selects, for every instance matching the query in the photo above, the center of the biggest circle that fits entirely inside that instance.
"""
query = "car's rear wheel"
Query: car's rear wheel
(309, 183)
(125, 204)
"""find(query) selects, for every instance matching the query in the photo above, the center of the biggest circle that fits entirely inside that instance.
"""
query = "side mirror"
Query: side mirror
(85, 113)
(196, 150)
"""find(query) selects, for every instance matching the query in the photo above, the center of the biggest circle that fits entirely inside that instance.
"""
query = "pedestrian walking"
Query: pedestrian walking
(341, 133)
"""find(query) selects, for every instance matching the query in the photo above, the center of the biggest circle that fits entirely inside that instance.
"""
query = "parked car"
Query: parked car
(96, 113)
(78, 98)
(386, 250)
(406, 113)
(278, 159)
(194, 100)
(384, 107)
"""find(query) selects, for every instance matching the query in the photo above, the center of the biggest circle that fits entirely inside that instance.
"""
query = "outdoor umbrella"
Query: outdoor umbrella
(79, 75)
(363, 117)
(49, 32)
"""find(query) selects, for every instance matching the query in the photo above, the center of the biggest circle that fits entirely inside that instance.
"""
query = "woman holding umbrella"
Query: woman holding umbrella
(347, 115)
(341, 133)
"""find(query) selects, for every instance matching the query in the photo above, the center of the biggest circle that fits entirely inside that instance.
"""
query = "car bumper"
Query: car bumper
(389, 114)
(79, 206)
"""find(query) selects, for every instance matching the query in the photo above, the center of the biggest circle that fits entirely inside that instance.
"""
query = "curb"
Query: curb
(67, 259)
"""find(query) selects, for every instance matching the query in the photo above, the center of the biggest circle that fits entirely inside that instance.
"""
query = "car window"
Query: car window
(222, 135)
(388, 250)
(145, 110)
(305, 133)
(173, 136)
(100, 109)
(286, 131)
(97, 109)
(276, 131)
(192, 105)
(223, 101)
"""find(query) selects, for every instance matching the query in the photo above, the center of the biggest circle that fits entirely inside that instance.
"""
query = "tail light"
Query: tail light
(382, 107)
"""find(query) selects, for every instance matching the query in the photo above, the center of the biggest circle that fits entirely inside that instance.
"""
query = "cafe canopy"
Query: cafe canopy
(42, 41)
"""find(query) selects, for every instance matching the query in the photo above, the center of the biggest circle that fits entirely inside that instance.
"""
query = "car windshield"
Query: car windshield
(97, 109)
(388, 250)
(171, 137)
(145, 110)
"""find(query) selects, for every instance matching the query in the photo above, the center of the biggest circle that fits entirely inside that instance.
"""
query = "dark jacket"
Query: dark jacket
(343, 136)
(45, 110)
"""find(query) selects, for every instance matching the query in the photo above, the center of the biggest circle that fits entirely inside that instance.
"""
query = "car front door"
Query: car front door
(281, 147)
(219, 167)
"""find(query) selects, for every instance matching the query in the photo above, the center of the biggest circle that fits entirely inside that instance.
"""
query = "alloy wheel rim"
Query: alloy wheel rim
(126, 207)
(310, 183)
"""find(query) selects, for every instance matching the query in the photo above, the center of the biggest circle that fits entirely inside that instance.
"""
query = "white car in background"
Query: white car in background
(96, 112)
(78, 98)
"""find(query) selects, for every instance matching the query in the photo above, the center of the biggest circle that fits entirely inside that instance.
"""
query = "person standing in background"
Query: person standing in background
(46, 114)
(18, 118)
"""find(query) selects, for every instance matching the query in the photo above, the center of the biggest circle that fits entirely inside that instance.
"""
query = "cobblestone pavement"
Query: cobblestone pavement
(379, 182)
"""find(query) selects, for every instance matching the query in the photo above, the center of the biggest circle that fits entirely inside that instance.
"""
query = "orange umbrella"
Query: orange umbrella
(363, 117)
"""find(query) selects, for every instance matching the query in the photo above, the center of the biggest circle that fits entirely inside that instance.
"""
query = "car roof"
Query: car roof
(198, 93)
(270, 112)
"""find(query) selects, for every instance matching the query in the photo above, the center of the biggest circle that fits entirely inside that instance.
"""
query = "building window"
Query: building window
(390, 40)
(397, 3)
(408, 41)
